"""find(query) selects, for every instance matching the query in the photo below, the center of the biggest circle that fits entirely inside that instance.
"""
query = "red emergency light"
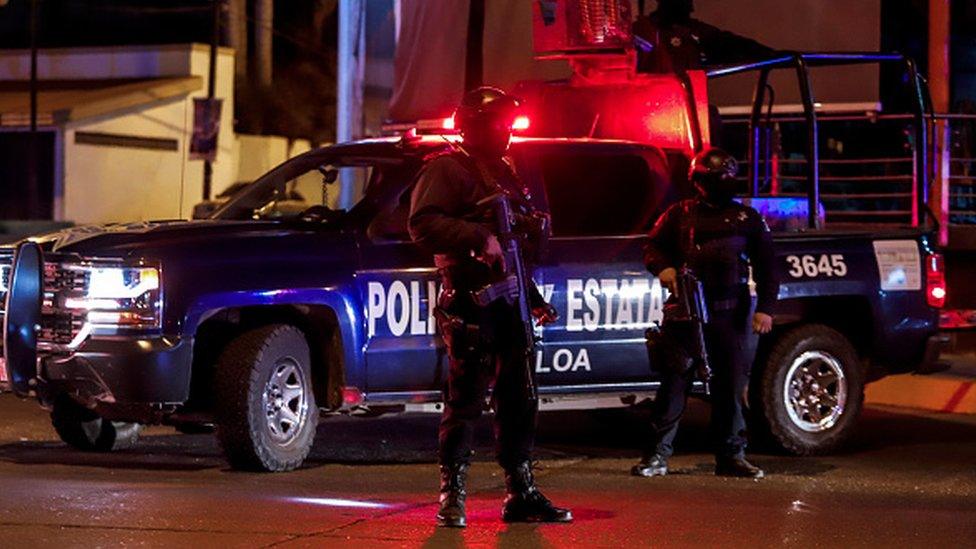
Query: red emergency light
(935, 281)
(521, 123)
(658, 109)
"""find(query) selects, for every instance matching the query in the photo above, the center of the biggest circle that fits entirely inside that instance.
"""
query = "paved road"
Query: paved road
(909, 480)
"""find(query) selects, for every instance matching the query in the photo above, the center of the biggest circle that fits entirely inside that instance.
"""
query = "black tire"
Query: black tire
(244, 389)
(85, 430)
(804, 426)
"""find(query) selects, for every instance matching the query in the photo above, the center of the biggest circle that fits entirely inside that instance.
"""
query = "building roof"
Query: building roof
(63, 101)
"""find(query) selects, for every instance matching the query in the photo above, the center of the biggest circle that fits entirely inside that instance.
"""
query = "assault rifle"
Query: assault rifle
(687, 306)
(514, 288)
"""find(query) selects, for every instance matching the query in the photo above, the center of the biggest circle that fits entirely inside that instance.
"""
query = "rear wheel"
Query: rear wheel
(810, 391)
(84, 429)
(266, 412)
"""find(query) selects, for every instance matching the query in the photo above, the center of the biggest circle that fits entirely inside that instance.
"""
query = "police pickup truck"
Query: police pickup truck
(262, 323)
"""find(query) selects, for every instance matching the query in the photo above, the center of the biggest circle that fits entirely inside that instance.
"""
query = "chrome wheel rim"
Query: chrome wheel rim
(284, 401)
(815, 391)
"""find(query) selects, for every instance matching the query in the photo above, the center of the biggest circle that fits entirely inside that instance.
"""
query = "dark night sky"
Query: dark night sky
(106, 22)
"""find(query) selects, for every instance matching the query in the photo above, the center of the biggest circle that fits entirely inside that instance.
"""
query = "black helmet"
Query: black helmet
(485, 118)
(713, 173)
(483, 103)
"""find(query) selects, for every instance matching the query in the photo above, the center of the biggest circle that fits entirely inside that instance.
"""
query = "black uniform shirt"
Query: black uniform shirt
(719, 244)
(442, 209)
(444, 215)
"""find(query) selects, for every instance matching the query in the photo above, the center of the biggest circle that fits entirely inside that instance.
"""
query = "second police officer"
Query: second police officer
(718, 239)
(485, 343)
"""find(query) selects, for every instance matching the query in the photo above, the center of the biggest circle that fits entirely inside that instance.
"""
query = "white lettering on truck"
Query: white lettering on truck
(592, 304)
(614, 304)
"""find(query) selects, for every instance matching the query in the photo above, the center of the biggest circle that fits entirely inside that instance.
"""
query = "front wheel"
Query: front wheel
(85, 430)
(266, 412)
(810, 391)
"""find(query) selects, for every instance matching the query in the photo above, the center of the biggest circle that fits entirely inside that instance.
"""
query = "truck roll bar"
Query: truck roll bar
(802, 62)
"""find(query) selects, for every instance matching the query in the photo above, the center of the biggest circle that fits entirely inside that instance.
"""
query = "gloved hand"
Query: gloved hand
(669, 278)
(762, 323)
(493, 254)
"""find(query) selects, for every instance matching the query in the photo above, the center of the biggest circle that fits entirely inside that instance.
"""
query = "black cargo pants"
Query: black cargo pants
(731, 349)
(493, 361)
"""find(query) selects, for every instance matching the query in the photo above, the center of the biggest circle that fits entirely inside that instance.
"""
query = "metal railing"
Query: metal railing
(959, 161)
(764, 165)
(872, 185)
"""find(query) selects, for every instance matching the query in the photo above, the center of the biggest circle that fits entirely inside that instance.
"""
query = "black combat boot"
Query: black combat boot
(525, 503)
(453, 494)
(737, 467)
(652, 466)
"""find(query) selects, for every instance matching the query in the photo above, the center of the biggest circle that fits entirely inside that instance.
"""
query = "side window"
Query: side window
(601, 194)
(390, 225)
(390, 222)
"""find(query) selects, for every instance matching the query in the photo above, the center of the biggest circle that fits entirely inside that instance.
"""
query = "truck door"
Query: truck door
(602, 199)
(399, 286)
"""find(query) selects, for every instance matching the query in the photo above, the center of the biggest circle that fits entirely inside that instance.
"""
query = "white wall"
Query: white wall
(104, 184)
(114, 184)
(107, 184)
(257, 154)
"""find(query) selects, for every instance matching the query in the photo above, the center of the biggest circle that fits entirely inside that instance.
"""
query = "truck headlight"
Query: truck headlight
(118, 297)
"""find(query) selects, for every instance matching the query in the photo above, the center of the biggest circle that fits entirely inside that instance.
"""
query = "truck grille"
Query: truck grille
(60, 326)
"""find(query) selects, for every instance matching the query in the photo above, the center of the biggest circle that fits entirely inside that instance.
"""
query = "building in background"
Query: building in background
(117, 123)
(115, 129)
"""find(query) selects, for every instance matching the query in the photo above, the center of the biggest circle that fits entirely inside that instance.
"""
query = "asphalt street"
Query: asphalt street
(908, 480)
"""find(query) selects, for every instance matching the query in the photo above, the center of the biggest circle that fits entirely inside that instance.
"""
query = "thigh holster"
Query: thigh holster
(461, 337)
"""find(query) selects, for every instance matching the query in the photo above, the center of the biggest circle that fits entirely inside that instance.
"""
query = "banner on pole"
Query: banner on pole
(206, 128)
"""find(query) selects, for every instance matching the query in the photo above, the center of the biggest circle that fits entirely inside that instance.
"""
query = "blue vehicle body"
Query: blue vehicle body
(362, 294)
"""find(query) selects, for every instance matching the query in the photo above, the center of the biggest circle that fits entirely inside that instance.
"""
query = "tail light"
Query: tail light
(521, 123)
(935, 281)
(352, 396)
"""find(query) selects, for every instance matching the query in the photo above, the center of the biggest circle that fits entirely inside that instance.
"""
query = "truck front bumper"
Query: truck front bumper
(121, 370)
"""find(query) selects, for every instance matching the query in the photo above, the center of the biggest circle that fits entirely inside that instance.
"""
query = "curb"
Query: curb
(947, 394)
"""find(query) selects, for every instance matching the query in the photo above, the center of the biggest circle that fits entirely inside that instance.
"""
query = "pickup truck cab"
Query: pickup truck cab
(264, 324)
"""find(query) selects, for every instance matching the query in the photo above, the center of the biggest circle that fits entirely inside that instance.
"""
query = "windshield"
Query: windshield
(312, 180)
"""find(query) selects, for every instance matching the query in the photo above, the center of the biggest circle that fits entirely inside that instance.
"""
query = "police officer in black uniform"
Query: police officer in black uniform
(669, 40)
(485, 344)
(719, 240)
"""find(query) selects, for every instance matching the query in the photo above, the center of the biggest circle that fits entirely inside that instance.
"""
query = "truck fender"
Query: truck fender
(343, 305)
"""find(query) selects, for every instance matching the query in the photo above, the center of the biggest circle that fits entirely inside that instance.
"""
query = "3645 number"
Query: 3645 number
(812, 266)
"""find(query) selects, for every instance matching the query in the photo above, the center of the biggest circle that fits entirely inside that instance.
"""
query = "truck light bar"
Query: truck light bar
(446, 126)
